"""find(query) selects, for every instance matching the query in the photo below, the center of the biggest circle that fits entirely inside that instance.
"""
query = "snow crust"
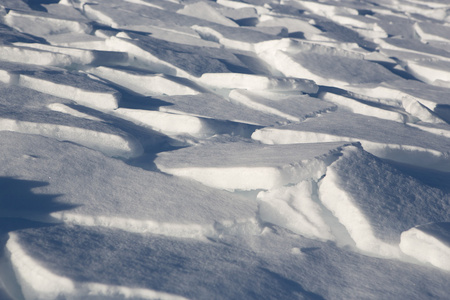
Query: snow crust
(155, 149)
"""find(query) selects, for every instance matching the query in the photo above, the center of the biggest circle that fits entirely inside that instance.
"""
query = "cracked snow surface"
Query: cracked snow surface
(195, 149)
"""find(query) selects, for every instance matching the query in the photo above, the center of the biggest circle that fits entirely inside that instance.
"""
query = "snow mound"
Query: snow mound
(428, 243)
(364, 202)
(294, 208)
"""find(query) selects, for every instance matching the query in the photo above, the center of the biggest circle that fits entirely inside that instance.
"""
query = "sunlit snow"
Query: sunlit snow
(256, 149)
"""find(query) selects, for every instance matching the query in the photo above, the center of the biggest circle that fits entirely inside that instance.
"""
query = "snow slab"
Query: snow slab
(146, 83)
(249, 166)
(432, 72)
(414, 46)
(138, 17)
(239, 38)
(44, 24)
(103, 191)
(377, 203)
(329, 70)
(83, 56)
(28, 55)
(432, 32)
(289, 109)
(206, 12)
(291, 24)
(258, 82)
(383, 138)
(174, 59)
(9, 35)
(71, 85)
(212, 106)
(428, 243)
(27, 111)
(359, 107)
(407, 92)
(171, 124)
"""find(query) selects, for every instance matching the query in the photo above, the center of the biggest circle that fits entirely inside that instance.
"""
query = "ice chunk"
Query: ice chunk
(107, 192)
(384, 138)
(428, 243)
(377, 203)
(249, 166)
(293, 208)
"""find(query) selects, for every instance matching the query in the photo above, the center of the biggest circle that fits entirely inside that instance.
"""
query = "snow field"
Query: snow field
(224, 150)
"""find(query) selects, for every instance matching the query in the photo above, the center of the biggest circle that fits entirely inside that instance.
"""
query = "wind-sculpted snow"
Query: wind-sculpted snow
(258, 149)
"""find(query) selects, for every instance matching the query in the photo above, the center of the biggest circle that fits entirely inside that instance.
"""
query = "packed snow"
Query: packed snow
(256, 149)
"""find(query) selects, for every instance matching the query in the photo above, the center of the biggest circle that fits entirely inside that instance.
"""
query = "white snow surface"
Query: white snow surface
(172, 149)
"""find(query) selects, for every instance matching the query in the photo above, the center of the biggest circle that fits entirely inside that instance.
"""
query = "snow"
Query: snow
(376, 227)
(373, 133)
(294, 208)
(258, 149)
(248, 166)
(153, 206)
(428, 243)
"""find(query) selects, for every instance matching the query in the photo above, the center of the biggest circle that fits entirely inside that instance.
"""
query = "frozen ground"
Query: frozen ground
(257, 149)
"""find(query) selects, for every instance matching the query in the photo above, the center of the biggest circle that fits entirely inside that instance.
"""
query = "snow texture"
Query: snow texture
(258, 149)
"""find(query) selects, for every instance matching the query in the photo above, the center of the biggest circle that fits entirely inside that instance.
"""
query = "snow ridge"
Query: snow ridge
(155, 149)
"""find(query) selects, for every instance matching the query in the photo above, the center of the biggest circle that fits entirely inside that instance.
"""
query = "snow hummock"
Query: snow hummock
(429, 243)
